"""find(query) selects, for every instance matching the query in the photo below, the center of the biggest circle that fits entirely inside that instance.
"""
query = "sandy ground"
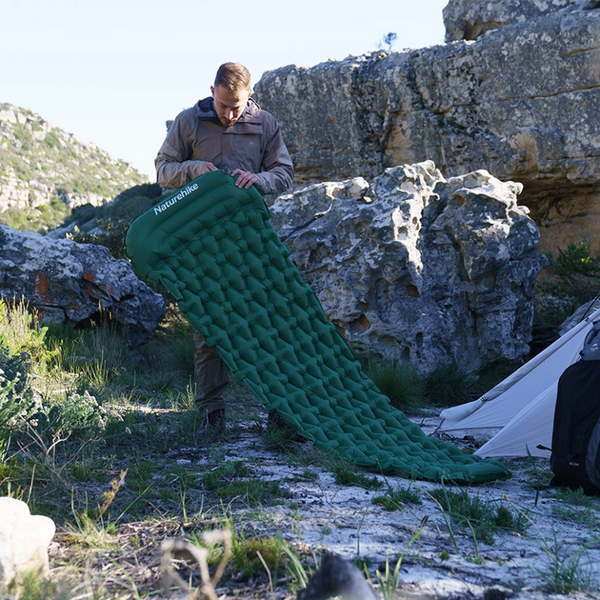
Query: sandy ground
(560, 545)
(562, 540)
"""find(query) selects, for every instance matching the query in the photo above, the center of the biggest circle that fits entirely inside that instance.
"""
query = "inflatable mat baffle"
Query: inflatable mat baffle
(214, 249)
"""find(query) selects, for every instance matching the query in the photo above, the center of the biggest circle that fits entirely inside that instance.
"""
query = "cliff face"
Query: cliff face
(39, 163)
(521, 101)
(467, 20)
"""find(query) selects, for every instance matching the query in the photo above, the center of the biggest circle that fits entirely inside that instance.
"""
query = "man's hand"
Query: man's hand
(206, 167)
(245, 179)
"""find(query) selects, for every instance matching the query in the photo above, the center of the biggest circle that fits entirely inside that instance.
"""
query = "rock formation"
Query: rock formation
(70, 282)
(418, 268)
(39, 163)
(24, 541)
(467, 20)
(521, 102)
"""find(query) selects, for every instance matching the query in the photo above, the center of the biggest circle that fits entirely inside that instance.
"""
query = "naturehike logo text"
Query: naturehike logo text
(182, 194)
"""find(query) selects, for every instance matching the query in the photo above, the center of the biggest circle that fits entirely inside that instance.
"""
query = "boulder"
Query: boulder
(418, 268)
(521, 101)
(24, 541)
(73, 283)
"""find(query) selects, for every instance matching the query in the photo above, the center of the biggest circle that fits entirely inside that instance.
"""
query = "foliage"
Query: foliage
(399, 382)
(16, 401)
(245, 561)
(51, 165)
(576, 259)
(225, 474)
(389, 580)
(387, 41)
(565, 572)
(252, 491)
(233, 479)
(111, 235)
(397, 499)
(33, 586)
(77, 413)
(111, 221)
(448, 385)
(482, 518)
(346, 473)
(21, 332)
(571, 279)
(41, 219)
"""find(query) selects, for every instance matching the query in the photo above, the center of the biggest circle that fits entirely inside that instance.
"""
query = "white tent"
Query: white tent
(522, 406)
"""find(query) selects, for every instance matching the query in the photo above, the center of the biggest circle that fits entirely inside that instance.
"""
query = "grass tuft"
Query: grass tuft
(471, 513)
(399, 382)
(397, 499)
(346, 473)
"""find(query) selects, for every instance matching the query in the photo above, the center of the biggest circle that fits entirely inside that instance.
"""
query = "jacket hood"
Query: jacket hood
(205, 111)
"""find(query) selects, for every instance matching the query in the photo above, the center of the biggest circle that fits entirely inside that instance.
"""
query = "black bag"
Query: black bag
(575, 459)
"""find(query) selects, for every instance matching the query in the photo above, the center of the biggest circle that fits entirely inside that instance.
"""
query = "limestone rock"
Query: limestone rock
(418, 268)
(70, 282)
(24, 540)
(522, 102)
(467, 20)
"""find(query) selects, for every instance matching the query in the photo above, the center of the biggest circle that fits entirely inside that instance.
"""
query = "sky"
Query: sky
(112, 72)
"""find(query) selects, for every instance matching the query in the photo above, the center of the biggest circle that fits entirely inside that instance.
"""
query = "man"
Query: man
(227, 129)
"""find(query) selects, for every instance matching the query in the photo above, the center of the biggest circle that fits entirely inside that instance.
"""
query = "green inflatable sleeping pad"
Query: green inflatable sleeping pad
(214, 249)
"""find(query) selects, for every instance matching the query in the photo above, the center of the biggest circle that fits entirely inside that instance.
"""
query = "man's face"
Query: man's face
(229, 106)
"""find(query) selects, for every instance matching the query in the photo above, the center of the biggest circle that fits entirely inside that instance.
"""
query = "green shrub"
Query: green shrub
(112, 236)
(16, 400)
(576, 259)
(21, 331)
(75, 414)
(448, 385)
(51, 140)
(571, 279)
(113, 219)
(399, 382)
(245, 560)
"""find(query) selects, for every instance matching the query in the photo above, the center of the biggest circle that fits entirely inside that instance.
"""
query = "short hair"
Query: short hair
(233, 76)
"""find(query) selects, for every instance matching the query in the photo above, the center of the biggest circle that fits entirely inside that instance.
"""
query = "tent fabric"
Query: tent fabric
(522, 406)
(213, 247)
(528, 432)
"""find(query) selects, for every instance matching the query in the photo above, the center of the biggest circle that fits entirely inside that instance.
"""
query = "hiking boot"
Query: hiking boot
(279, 427)
(215, 421)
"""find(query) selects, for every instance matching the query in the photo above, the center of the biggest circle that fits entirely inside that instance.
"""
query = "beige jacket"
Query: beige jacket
(253, 143)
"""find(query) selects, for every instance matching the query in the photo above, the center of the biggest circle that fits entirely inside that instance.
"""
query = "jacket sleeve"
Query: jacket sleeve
(277, 170)
(173, 167)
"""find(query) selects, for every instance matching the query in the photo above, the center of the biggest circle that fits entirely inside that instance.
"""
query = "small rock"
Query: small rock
(337, 577)
(24, 541)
